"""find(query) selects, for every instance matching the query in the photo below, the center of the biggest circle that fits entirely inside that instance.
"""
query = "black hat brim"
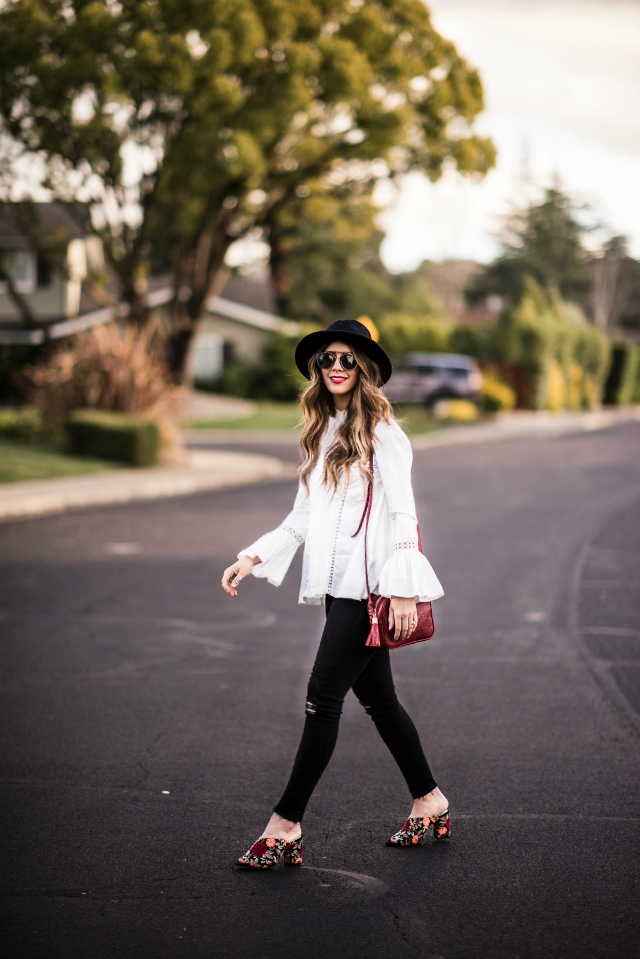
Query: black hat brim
(313, 342)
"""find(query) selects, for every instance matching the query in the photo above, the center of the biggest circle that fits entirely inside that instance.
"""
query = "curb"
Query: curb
(509, 427)
(529, 426)
(219, 469)
(206, 471)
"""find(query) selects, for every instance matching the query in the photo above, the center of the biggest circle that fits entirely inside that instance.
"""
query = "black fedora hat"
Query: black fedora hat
(351, 331)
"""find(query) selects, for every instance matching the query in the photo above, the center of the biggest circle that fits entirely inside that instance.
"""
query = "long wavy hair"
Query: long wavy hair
(354, 440)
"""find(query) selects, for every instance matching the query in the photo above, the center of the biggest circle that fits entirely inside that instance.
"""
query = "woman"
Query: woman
(348, 420)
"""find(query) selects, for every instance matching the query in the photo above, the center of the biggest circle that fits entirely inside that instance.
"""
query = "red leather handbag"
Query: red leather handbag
(378, 606)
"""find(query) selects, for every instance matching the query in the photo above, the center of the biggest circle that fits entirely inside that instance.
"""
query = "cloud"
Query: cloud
(562, 82)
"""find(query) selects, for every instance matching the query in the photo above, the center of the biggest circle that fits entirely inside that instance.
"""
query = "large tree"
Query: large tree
(543, 241)
(197, 119)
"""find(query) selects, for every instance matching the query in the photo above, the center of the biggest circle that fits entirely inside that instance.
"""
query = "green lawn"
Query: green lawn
(415, 419)
(36, 461)
(268, 416)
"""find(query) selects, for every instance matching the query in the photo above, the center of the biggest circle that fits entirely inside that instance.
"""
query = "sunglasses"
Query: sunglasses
(327, 359)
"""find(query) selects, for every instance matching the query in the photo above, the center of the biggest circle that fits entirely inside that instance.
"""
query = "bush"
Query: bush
(20, 423)
(276, 377)
(621, 386)
(476, 341)
(496, 394)
(561, 359)
(114, 436)
(402, 333)
(456, 411)
(103, 369)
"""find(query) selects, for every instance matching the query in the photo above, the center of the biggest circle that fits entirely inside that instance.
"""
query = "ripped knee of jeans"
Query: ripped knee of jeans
(310, 708)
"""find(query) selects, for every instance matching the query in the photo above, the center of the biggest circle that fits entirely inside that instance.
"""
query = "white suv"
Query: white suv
(429, 377)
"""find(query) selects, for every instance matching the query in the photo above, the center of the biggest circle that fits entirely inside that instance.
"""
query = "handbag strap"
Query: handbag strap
(366, 514)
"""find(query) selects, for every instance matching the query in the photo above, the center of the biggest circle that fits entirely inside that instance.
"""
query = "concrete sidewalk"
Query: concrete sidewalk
(214, 469)
(204, 471)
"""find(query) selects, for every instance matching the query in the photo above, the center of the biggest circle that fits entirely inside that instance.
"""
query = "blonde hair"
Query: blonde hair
(354, 439)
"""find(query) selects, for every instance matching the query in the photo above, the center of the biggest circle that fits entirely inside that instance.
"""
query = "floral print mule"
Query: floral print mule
(415, 830)
(267, 853)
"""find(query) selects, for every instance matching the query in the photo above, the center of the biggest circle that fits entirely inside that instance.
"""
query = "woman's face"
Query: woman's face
(338, 381)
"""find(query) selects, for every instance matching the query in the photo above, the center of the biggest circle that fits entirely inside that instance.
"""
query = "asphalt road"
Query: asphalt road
(149, 722)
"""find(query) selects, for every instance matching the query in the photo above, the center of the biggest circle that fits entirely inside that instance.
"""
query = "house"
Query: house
(50, 261)
(48, 254)
(233, 326)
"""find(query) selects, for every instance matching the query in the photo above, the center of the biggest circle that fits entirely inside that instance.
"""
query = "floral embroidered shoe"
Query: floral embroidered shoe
(415, 830)
(267, 853)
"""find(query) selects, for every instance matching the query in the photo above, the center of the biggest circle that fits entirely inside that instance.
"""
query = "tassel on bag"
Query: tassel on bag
(378, 606)
(374, 635)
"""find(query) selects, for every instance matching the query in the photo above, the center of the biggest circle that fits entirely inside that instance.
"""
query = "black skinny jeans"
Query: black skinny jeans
(344, 662)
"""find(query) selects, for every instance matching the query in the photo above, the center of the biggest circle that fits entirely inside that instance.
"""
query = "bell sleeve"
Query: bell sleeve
(277, 548)
(407, 572)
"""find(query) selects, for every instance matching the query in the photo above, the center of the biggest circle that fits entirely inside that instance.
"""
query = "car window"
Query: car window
(425, 370)
(458, 373)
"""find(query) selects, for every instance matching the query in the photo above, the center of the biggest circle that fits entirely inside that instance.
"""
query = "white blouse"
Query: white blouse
(325, 522)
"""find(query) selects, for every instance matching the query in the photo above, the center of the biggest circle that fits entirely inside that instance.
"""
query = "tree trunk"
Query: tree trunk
(185, 315)
(178, 343)
(278, 267)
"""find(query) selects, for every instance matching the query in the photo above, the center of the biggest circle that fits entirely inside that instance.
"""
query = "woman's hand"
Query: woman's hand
(233, 574)
(403, 615)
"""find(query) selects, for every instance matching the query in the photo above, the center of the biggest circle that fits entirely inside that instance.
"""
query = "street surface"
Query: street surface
(150, 722)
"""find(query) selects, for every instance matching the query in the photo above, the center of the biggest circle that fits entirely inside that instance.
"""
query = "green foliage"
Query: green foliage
(20, 423)
(402, 333)
(477, 341)
(232, 107)
(544, 242)
(497, 395)
(325, 263)
(276, 377)
(623, 380)
(113, 436)
(563, 359)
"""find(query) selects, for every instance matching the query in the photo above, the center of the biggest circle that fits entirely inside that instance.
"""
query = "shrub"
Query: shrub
(402, 333)
(476, 341)
(276, 377)
(20, 423)
(456, 411)
(496, 394)
(104, 369)
(115, 436)
(563, 360)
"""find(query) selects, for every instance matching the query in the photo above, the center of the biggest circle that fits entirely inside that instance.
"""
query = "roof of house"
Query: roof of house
(27, 225)
(257, 293)
(236, 302)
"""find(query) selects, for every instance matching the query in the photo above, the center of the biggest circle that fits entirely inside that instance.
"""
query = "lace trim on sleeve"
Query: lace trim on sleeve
(292, 532)
(407, 544)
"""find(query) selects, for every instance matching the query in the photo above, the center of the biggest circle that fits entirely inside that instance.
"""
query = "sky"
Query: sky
(562, 94)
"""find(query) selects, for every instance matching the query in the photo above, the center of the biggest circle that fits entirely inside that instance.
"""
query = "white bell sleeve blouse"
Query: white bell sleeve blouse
(326, 521)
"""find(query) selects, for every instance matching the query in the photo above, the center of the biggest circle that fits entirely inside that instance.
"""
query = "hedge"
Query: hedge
(115, 436)
(563, 360)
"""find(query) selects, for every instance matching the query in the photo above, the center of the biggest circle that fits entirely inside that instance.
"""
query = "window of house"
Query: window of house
(21, 267)
(23, 271)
